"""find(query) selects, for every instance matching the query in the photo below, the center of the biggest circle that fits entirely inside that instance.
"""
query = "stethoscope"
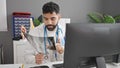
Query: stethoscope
(45, 38)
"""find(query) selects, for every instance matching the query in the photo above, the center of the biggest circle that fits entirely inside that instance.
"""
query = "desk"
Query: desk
(49, 65)
(28, 65)
(111, 65)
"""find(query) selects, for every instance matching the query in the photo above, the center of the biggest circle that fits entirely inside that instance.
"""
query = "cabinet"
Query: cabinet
(19, 50)
(19, 21)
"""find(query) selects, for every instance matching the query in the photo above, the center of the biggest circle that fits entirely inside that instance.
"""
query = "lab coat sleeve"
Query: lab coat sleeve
(62, 38)
(29, 55)
(30, 52)
(60, 56)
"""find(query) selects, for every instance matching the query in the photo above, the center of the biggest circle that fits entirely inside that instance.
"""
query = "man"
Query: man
(50, 27)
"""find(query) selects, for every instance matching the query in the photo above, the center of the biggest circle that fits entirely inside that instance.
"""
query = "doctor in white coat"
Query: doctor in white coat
(50, 27)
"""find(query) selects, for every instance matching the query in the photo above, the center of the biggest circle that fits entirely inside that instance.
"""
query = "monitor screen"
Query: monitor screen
(90, 40)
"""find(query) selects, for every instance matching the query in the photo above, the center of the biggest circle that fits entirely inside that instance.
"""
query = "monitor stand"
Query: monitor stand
(116, 58)
(100, 62)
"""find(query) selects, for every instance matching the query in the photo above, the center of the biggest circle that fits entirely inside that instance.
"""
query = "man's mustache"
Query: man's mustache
(50, 27)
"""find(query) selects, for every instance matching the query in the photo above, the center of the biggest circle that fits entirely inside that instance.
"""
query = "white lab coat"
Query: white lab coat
(31, 52)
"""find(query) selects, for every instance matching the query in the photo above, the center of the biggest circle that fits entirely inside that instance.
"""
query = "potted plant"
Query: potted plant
(96, 17)
(117, 18)
(36, 22)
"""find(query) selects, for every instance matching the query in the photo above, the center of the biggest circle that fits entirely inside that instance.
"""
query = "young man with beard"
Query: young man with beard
(50, 27)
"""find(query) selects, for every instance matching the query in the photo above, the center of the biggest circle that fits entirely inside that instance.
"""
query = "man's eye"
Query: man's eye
(45, 19)
(53, 19)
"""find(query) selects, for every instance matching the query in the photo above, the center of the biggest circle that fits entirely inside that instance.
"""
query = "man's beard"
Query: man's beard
(51, 27)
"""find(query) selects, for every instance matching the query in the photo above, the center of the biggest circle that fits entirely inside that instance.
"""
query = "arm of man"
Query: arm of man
(59, 47)
(29, 56)
(32, 57)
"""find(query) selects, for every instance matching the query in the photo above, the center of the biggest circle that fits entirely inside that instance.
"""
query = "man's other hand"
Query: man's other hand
(39, 58)
(59, 47)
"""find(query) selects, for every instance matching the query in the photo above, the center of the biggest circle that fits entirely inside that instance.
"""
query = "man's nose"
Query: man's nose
(49, 22)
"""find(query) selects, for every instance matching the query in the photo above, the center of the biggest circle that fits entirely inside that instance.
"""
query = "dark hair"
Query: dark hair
(50, 7)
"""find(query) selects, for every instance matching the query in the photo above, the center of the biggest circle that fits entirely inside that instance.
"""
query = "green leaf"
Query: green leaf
(117, 18)
(108, 19)
(95, 17)
(36, 22)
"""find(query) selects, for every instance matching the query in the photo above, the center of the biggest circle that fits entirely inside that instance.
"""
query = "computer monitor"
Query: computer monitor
(85, 40)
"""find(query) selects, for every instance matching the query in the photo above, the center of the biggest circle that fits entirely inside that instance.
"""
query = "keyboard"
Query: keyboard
(40, 67)
(58, 65)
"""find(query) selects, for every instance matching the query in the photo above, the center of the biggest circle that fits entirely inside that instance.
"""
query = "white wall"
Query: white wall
(3, 16)
(111, 7)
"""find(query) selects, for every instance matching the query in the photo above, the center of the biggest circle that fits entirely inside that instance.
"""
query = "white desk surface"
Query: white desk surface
(10, 65)
(48, 64)
(28, 65)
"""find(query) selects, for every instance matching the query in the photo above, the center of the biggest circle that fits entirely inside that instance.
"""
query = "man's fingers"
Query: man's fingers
(59, 40)
(59, 48)
(39, 58)
(38, 61)
(47, 45)
(23, 29)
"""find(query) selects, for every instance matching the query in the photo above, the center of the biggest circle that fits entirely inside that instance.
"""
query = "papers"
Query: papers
(38, 43)
(52, 43)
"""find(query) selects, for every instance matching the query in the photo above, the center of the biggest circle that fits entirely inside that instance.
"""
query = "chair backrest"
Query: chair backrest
(1, 54)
